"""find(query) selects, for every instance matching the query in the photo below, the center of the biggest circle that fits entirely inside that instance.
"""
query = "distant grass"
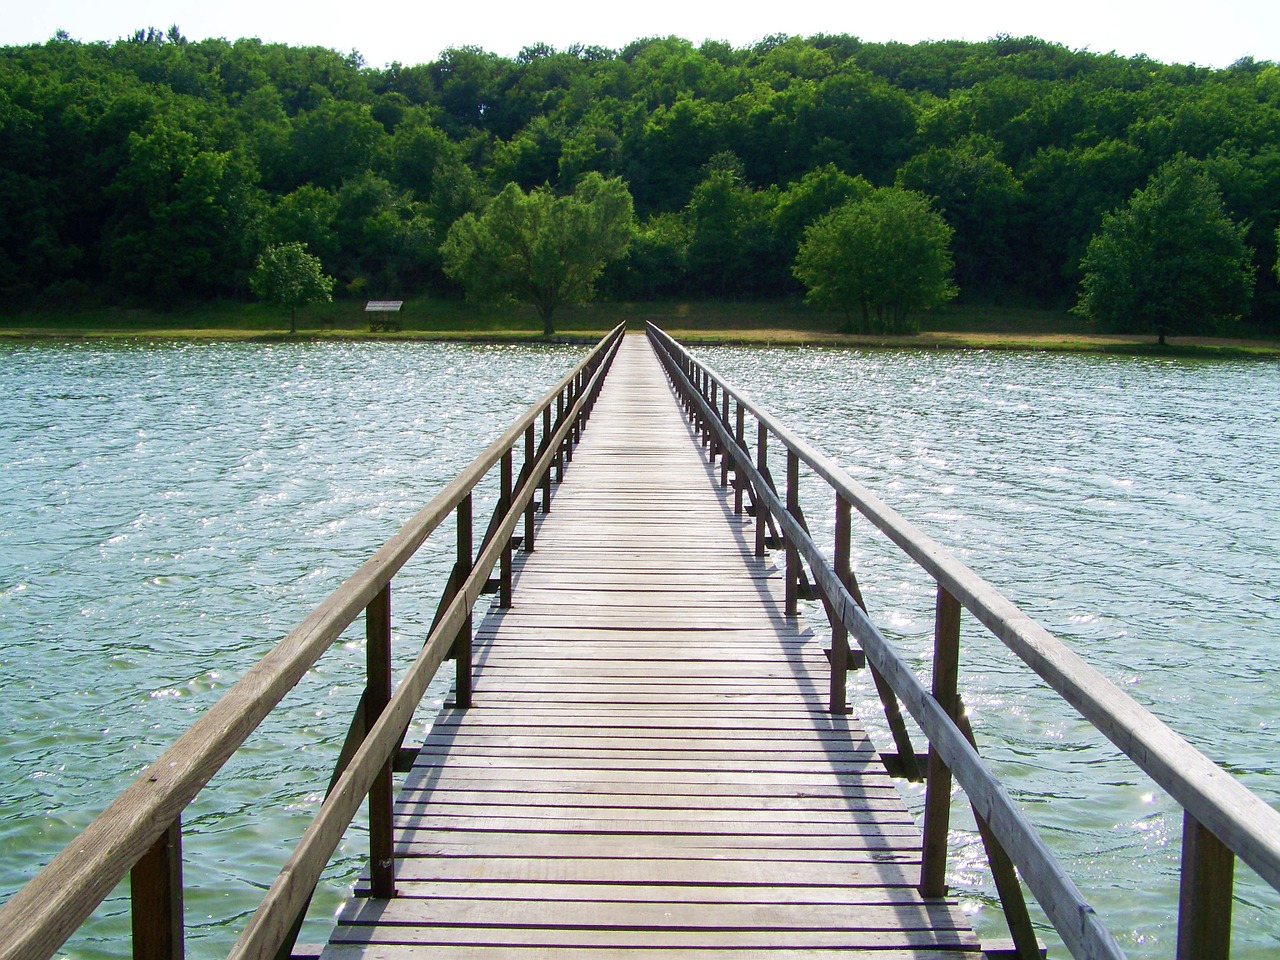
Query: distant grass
(966, 327)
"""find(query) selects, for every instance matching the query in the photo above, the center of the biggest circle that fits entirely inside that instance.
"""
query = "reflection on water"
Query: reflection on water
(167, 513)
(1129, 505)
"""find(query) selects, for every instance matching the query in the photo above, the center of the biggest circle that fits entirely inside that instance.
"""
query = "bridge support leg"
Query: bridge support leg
(382, 869)
(156, 891)
(937, 803)
(462, 645)
(1204, 901)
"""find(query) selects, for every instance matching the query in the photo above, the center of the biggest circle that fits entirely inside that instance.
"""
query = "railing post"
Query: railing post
(462, 644)
(762, 464)
(377, 626)
(529, 455)
(546, 477)
(839, 633)
(937, 803)
(1205, 893)
(713, 443)
(793, 552)
(739, 434)
(504, 507)
(724, 454)
(156, 893)
(560, 450)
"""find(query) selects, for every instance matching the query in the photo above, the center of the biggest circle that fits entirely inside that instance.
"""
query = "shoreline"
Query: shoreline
(698, 323)
(1108, 344)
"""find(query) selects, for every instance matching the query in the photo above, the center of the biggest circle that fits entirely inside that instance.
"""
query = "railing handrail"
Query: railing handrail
(1241, 820)
(40, 916)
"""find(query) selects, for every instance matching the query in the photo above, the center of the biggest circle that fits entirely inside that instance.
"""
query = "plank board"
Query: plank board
(648, 768)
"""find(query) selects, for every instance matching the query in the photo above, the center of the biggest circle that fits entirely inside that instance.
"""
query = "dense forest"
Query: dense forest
(155, 169)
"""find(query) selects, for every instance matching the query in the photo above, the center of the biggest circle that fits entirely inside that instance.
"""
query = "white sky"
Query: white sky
(415, 31)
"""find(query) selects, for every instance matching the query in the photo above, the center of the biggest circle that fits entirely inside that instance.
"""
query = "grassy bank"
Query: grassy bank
(955, 327)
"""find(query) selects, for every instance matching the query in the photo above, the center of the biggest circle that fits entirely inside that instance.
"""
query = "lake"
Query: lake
(168, 512)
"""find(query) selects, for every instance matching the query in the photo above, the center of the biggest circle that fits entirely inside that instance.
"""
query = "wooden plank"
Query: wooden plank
(345, 951)
(648, 767)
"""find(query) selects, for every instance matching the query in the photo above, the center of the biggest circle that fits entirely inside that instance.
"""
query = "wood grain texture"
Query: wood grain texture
(649, 767)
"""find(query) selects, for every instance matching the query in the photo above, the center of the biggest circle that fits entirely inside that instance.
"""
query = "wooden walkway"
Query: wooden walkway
(649, 768)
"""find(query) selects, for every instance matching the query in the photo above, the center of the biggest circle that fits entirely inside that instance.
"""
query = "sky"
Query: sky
(415, 31)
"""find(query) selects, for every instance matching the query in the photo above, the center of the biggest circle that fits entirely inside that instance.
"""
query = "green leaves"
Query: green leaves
(1171, 262)
(286, 274)
(880, 260)
(540, 248)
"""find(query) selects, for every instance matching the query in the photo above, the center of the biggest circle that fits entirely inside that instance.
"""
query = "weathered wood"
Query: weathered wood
(1244, 822)
(377, 696)
(461, 650)
(156, 894)
(268, 926)
(1062, 901)
(1205, 897)
(1023, 943)
(38, 919)
(792, 550)
(646, 713)
(504, 505)
(937, 805)
(530, 516)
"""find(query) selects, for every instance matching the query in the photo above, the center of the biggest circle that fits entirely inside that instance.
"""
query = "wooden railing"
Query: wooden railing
(1222, 819)
(140, 832)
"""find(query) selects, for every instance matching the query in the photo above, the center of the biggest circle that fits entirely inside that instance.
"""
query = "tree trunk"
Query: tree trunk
(545, 313)
(293, 319)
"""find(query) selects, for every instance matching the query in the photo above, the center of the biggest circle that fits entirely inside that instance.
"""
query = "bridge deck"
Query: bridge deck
(649, 769)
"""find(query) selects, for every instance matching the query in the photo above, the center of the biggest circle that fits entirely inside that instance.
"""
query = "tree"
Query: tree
(1278, 253)
(1171, 262)
(540, 248)
(980, 198)
(286, 274)
(881, 259)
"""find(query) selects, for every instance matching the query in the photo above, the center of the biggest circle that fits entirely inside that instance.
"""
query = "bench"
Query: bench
(380, 314)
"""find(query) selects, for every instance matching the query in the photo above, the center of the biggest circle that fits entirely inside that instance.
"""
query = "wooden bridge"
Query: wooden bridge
(648, 753)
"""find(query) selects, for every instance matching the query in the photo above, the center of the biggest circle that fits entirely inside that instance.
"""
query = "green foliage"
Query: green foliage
(1171, 262)
(155, 168)
(879, 260)
(980, 198)
(541, 248)
(287, 275)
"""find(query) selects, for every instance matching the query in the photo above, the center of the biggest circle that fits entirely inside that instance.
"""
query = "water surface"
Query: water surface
(168, 512)
(1132, 506)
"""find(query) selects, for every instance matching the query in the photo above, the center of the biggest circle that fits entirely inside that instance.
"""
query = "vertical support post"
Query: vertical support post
(937, 802)
(504, 502)
(711, 430)
(839, 633)
(546, 477)
(462, 643)
(377, 631)
(793, 554)
(560, 451)
(724, 454)
(1204, 897)
(575, 433)
(762, 464)
(529, 479)
(739, 433)
(156, 894)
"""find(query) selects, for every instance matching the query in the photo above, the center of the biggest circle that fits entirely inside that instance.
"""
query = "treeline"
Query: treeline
(155, 169)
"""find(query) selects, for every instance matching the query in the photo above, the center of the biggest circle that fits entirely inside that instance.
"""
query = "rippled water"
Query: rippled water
(167, 513)
(1132, 506)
